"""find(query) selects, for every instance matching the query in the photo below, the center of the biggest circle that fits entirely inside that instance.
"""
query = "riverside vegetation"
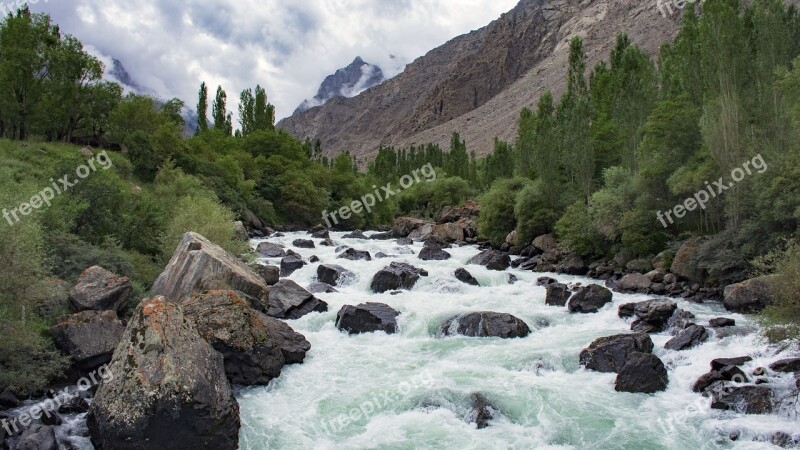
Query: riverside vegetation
(627, 139)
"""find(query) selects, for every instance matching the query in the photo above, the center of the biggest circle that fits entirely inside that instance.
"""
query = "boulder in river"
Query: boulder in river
(485, 324)
(742, 399)
(355, 255)
(99, 290)
(199, 265)
(37, 437)
(168, 388)
(433, 252)
(290, 264)
(691, 336)
(358, 234)
(786, 365)
(589, 299)
(642, 373)
(288, 300)
(609, 354)
(557, 294)
(492, 260)
(89, 337)
(270, 274)
(396, 276)
(271, 250)
(303, 243)
(721, 322)
(464, 276)
(653, 315)
(334, 275)
(719, 363)
(481, 410)
(634, 282)
(367, 318)
(749, 296)
(320, 288)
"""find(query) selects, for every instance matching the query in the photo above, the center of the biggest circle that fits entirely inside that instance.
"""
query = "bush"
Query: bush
(206, 216)
(534, 217)
(497, 217)
(577, 230)
(428, 199)
(782, 316)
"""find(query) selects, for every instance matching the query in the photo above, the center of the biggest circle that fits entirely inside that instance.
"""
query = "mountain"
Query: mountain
(347, 82)
(478, 83)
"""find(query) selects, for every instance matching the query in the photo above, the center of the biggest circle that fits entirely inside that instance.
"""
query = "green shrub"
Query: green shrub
(497, 217)
(534, 217)
(782, 316)
(577, 230)
(203, 215)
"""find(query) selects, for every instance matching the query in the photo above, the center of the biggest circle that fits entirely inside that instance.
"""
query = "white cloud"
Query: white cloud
(288, 47)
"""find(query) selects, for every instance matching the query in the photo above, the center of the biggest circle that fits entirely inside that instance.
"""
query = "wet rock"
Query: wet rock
(464, 276)
(721, 322)
(290, 264)
(691, 336)
(303, 243)
(98, 290)
(270, 274)
(684, 264)
(88, 337)
(545, 242)
(680, 320)
(169, 388)
(288, 300)
(396, 276)
(324, 288)
(481, 410)
(381, 255)
(544, 281)
(38, 437)
(355, 255)
(404, 242)
(707, 380)
(271, 250)
(783, 440)
(199, 265)
(608, 354)
(742, 399)
(334, 275)
(485, 324)
(653, 315)
(749, 296)
(367, 318)
(572, 265)
(327, 243)
(434, 253)
(321, 234)
(719, 363)
(492, 260)
(313, 259)
(292, 344)
(634, 282)
(512, 278)
(589, 299)
(382, 236)
(8, 400)
(642, 373)
(557, 294)
(626, 311)
(358, 234)
(786, 365)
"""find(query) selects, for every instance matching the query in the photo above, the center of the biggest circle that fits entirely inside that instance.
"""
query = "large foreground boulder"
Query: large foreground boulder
(198, 265)
(742, 399)
(589, 299)
(485, 324)
(684, 264)
(288, 300)
(609, 354)
(334, 275)
(750, 296)
(557, 294)
(227, 323)
(396, 276)
(366, 318)
(88, 337)
(642, 373)
(99, 290)
(492, 260)
(168, 390)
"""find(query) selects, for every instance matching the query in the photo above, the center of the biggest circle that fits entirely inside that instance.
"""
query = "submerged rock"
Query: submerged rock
(742, 399)
(321, 288)
(366, 318)
(485, 324)
(288, 300)
(464, 276)
(481, 410)
(99, 290)
(358, 234)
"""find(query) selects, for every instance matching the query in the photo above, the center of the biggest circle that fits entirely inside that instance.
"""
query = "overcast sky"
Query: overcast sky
(287, 46)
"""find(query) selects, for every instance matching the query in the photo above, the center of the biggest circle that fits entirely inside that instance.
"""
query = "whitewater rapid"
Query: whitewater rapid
(411, 390)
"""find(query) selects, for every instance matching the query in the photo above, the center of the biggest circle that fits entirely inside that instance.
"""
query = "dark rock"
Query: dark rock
(38, 437)
(290, 264)
(355, 255)
(573, 265)
(691, 336)
(557, 294)
(321, 234)
(742, 399)
(681, 319)
(512, 278)
(642, 373)
(634, 282)
(303, 243)
(721, 322)
(485, 324)
(626, 310)
(589, 299)
(169, 388)
(639, 265)
(707, 380)
(317, 288)
(292, 344)
(382, 236)
(288, 300)
(381, 255)
(481, 411)
(358, 234)
(655, 313)
(313, 259)
(434, 253)
(327, 243)
(98, 289)
(465, 277)
(89, 337)
(749, 296)
(544, 281)
(270, 250)
(199, 265)
(403, 226)
(733, 373)
(719, 363)
(492, 260)
(608, 354)
(270, 274)
(8, 400)
(783, 440)
(396, 276)
(404, 241)
(366, 318)
(786, 365)
(334, 275)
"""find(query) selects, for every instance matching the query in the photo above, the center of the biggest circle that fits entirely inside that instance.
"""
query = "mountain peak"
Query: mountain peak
(346, 82)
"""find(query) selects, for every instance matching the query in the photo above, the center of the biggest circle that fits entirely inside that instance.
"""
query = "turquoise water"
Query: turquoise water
(411, 390)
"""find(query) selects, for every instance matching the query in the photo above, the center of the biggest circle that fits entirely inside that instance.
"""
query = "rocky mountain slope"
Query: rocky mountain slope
(478, 83)
(347, 82)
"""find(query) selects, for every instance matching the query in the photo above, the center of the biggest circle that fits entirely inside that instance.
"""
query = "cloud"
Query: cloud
(287, 47)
